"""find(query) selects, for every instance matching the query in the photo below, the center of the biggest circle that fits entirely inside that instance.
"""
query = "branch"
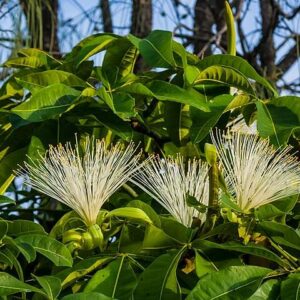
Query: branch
(290, 58)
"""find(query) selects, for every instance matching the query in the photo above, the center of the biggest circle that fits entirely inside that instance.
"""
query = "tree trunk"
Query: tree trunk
(141, 18)
(141, 24)
(106, 16)
(208, 13)
(269, 17)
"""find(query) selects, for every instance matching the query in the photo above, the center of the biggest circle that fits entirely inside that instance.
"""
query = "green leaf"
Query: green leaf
(228, 202)
(236, 282)
(116, 280)
(115, 124)
(36, 81)
(239, 64)
(159, 280)
(251, 249)
(172, 118)
(86, 296)
(25, 62)
(290, 288)
(165, 91)
(176, 230)
(47, 103)
(89, 47)
(203, 122)
(119, 60)
(49, 247)
(36, 149)
(6, 200)
(70, 275)
(156, 238)
(27, 251)
(132, 213)
(269, 290)
(225, 75)
(7, 165)
(156, 49)
(50, 284)
(3, 229)
(203, 266)
(280, 233)
(278, 119)
(10, 285)
(231, 39)
(131, 238)
(20, 227)
(147, 209)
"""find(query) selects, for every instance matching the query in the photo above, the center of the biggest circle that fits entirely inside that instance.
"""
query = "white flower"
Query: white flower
(82, 181)
(256, 173)
(169, 183)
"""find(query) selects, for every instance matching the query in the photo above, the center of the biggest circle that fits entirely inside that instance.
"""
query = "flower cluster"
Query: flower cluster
(170, 183)
(84, 181)
(255, 174)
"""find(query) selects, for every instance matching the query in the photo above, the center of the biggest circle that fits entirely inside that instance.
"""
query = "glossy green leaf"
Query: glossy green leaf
(3, 228)
(70, 275)
(25, 62)
(47, 103)
(156, 238)
(225, 75)
(112, 122)
(7, 165)
(290, 288)
(236, 282)
(278, 119)
(156, 49)
(131, 239)
(147, 209)
(119, 60)
(166, 91)
(203, 266)
(132, 213)
(50, 284)
(87, 296)
(159, 280)
(172, 118)
(203, 122)
(21, 227)
(280, 233)
(10, 285)
(27, 251)
(269, 290)
(90, 46)
(49, 247)
(239, 64)
(250, 248)
(231, 36)
(36, 81)
(6, 200)
(116, 280)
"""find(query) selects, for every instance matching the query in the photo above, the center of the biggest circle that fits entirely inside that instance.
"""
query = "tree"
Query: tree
(267, 29)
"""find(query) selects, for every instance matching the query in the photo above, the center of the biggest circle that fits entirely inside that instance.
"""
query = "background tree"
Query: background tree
(268, 30)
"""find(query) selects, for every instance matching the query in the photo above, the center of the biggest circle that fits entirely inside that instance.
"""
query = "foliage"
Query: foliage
(169, 108)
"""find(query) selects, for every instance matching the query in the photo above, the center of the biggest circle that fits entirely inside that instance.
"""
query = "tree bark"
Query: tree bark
(106, 16)
(207, 14)
(267, 52)
(141, 18)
